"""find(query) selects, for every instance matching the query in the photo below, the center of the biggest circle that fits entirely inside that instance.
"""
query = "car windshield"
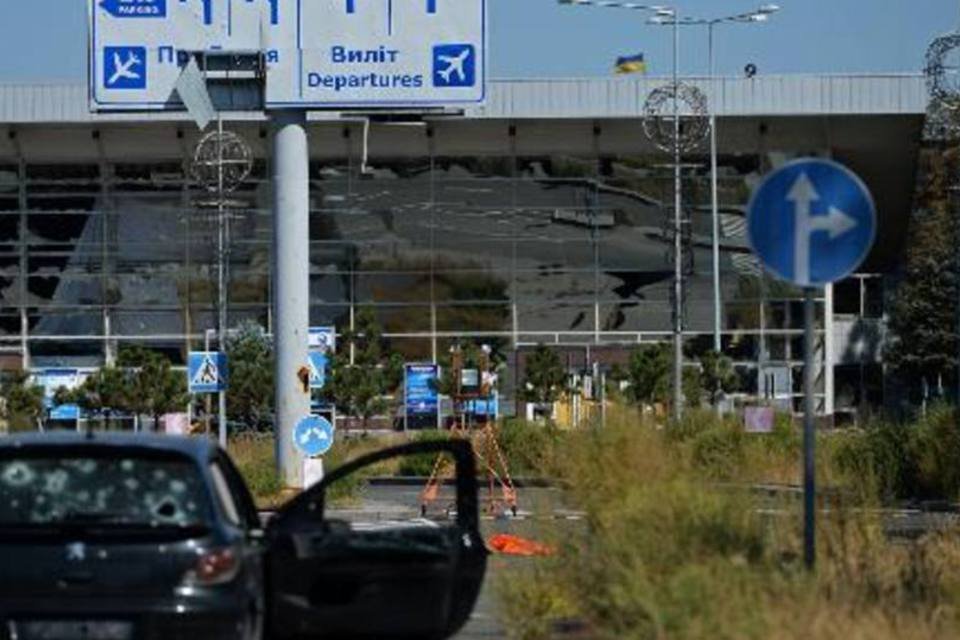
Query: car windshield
(121, 490)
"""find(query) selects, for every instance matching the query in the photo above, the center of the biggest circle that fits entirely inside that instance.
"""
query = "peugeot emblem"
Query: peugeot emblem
(76, 552)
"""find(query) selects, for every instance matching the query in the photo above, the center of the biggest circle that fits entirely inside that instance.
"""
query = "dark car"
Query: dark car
(114, 537)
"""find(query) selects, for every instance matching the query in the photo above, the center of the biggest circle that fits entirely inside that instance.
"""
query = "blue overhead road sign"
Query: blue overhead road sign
(313, 436)
(811, 222)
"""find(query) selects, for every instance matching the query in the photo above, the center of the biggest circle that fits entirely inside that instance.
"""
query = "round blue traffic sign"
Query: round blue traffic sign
(811, 222)
(313, 436)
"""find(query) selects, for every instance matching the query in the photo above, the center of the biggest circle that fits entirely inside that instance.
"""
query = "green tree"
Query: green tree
(923, 315)
(105, 392)
(362, 389)
(648, 371)
(250, 392)
(152, 387)
(650, 374)
(718, 375)
(21, 404)
(546, 376)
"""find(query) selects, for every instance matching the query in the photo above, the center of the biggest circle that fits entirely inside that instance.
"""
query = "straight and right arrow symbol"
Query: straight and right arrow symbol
(802, 194)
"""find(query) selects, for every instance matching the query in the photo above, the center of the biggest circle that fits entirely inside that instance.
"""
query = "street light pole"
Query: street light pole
(221, 283)
(714, 198)
(677, 232)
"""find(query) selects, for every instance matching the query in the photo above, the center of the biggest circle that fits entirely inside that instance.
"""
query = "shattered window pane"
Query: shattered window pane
(154, 492)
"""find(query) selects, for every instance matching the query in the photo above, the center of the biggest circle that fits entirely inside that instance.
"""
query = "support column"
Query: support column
(107, 208)
(291, 224)
(24, 264)
(809, 428)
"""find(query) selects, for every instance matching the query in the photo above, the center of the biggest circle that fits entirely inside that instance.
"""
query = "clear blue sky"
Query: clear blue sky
(44, 40)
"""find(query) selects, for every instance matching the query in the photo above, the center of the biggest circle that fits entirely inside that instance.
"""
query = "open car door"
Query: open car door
(348, 563)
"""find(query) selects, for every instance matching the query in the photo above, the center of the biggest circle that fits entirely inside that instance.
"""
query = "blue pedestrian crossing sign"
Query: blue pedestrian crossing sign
(811, 222)
(313, 436)
(207, 372)
(318, 369)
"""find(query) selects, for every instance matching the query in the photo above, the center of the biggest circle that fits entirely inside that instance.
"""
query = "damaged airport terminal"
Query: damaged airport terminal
(537, 217)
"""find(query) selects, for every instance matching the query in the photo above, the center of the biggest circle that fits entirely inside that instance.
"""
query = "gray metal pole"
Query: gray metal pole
(291, 225)
(677, 232)
(809, 434)
(221, 281)
(714, 199)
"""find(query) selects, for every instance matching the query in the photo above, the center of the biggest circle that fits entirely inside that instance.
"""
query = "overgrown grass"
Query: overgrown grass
(670, 550)
(254, 456)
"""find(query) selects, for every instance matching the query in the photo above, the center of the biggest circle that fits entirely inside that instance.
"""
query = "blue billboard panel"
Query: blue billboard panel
(420, 391)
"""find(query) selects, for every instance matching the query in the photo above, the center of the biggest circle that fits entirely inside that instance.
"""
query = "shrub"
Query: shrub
(422, 464)
(934, 451)
(720, 451)
(526, 445)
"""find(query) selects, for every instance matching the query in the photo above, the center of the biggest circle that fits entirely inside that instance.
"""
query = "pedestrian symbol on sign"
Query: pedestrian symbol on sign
(207, 372)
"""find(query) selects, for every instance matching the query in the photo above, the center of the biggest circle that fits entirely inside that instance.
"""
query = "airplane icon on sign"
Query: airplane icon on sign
(125, 70)
(125, 67)
(454, 66)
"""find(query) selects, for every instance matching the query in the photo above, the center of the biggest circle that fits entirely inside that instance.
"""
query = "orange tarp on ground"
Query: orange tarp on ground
(517, 546)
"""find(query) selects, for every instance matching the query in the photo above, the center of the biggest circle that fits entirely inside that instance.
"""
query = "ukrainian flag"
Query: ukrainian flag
(631, 64)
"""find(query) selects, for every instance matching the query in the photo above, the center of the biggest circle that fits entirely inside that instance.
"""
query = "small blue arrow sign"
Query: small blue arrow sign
(313, 436)
(135, 8)
(811, 222)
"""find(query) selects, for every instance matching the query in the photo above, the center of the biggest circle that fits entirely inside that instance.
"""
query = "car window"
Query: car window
(224, 496)
(115, 487)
